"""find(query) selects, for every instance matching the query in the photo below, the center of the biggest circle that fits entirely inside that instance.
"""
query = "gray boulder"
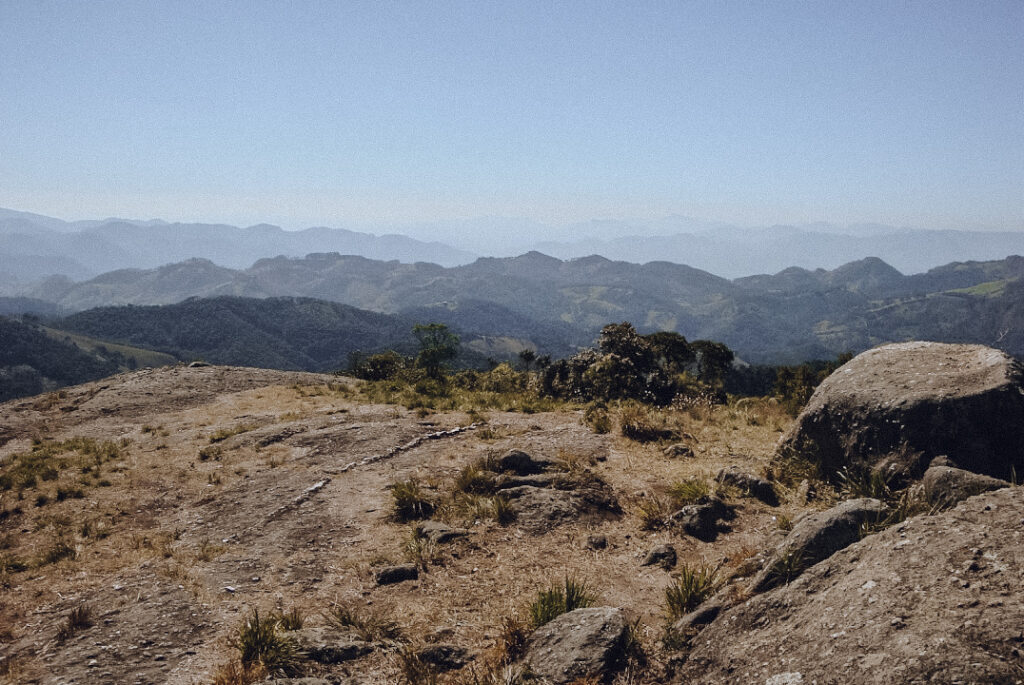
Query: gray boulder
(814, 538)
(899, 406)
(945, 485)
(585, 643)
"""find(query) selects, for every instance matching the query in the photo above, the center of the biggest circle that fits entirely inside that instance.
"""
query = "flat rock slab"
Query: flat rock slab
(901, 405)
(935, 599)
(584, 643)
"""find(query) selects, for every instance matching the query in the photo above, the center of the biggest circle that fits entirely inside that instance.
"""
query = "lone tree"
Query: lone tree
(437, 345)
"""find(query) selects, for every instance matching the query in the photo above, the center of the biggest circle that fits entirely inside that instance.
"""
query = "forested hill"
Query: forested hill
(31, 361)
(278, 333)
(553, 305)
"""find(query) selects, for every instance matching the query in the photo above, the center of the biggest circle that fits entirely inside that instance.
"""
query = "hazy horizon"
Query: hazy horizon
(403, 114)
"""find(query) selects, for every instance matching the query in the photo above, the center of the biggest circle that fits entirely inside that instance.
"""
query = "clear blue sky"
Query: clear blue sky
(303, 113)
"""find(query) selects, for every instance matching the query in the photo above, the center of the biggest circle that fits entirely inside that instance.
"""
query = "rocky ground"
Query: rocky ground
(145, 517)
(235, 489)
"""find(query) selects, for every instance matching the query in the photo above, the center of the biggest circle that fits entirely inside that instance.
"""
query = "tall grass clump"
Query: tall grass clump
(691, 586)
(260, 642)
(558, 599)
(410, 501)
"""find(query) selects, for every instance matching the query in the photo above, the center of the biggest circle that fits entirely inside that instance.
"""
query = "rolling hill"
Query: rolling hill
(556, 305)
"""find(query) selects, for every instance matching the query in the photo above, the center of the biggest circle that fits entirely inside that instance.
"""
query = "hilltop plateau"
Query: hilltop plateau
(153, 520)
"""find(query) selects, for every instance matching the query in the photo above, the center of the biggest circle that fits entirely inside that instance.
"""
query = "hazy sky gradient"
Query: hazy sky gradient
(304, 113)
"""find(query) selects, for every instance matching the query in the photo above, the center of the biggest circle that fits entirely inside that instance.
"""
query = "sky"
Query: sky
(390, 113)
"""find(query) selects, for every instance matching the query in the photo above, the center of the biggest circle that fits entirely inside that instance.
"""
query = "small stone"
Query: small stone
(596, 542)
(662, 555)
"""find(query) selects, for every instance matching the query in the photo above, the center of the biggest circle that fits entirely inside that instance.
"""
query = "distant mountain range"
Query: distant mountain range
(33, 247)
(553, 305)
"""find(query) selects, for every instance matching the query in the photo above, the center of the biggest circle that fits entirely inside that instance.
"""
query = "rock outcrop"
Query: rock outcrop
(945, 486)
(898, 406)
(585, 643)
(934, 599)
(814, 538)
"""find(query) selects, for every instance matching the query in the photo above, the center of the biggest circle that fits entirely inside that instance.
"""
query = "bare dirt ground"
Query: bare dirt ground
(193, 523)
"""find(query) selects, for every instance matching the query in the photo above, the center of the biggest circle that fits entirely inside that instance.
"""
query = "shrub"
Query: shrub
(559, 599)
(59, 550)
(862, 482)
(411, 503)
(787, 567)
(260, 642)
(504, 513)
(414, 670)
(418, 549)
(692, 585)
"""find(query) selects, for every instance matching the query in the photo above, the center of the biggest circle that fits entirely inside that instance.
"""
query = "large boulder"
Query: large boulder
(898, 406)
(935, 599)
(585, 643)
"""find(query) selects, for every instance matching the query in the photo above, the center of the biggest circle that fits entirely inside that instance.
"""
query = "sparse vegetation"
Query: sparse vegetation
(225, 433)
(688, 491)
(560, 598)
(690, 587)
(368, 624)
(643, 424)
(288, 620)
(410, 501)
(260, 643)
(78, 619)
